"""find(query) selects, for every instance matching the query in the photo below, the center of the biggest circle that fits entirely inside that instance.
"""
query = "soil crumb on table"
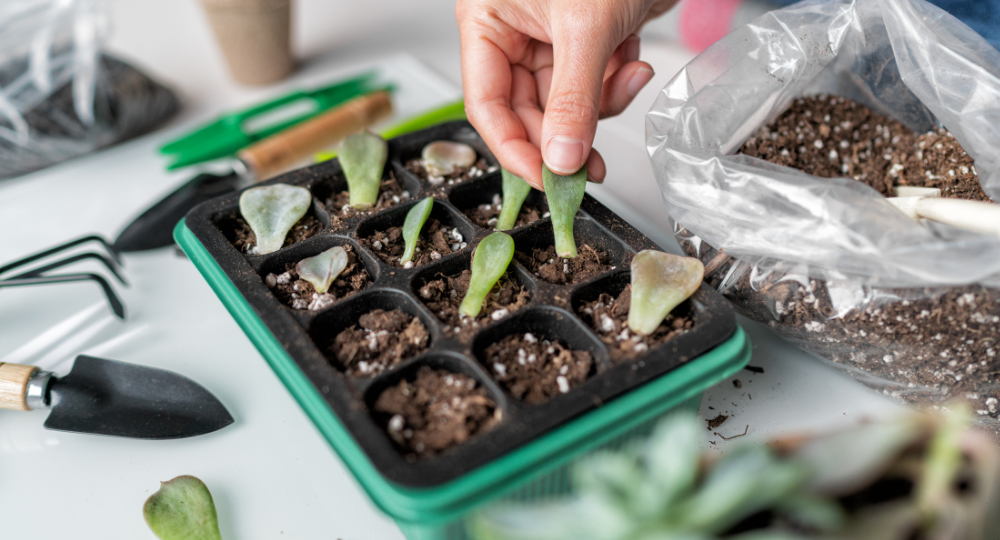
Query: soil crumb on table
(436, 411)
(300, 294)
(544, 263)
(608, 316)
(536, 370)
(338, 204)
(245, 240)
(444, 296)
(436, 241)
(481, 167)
(831, 136)
(486, 215)
(380, 340)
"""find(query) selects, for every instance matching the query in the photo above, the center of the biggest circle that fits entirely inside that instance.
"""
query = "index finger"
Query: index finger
(486, 82)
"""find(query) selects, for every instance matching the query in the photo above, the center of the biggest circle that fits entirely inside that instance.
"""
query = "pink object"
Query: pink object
(703, 22)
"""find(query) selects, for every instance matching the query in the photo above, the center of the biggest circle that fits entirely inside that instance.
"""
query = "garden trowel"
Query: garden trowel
(107, 397)
(926, 203)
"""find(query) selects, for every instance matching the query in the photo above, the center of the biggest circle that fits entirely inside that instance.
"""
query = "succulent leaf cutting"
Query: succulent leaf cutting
(564, 193)
(182, 509)
(322, 269)
(489, 263)
(441, 158)
(515, 191)
(271, 211)
(660, 282)
(415, 220)
(363, 156)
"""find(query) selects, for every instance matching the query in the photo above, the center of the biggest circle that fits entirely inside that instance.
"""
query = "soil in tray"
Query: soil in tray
(436, 411)
(486, 215)
(245, 240)
(390, 194)
(544, 263)
(444, 296)
(436, 241)
(832, 136)
(300, 294)
(481, 167)
(380, 340)
(608, 316)
(536, 370)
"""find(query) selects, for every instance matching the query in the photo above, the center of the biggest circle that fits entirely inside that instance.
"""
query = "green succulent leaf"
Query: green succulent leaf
(272, 211)
(515, 191)
(813, 511)
(322, 269)
(564, 194)
(660, 282)
(182, 510)
(441, 158)
(943, 463)
(577, 518)
(414, 222)
(672, 456)
(489, 262)
(363, 156)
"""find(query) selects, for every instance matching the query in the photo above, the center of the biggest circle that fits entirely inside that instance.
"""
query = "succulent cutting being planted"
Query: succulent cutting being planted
(363, 156)
(920, 477)
(322, 269)
(564, 194)
(515, 191)
(415, 220)
(489, 263)
(660, 282)
(271, 211)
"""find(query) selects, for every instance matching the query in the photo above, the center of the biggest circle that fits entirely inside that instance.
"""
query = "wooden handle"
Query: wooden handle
(283, 150)
(14, 386)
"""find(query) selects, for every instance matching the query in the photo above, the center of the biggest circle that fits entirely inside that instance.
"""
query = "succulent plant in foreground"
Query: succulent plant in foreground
(564, 194)
(272, 211)
(322, 269)
(515, 191)
(414, 221)
(920, 477)
(660, 282)
(489, 263)
(363, 156)
(182, 509)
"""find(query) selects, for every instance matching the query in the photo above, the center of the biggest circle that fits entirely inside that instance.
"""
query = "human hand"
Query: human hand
(538, 74)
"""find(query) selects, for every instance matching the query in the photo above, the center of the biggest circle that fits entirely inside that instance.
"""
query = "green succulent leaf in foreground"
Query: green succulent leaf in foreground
(414, 222)
(515, 191)
(564, 194)
(272, 211)
(182, 510)
(362, 156)
(442, 158)
(322, 269)
(660, 282)
(489, 263)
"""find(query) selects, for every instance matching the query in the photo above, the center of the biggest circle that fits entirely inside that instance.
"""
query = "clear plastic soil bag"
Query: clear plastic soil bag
(908, 308)
(60, 96)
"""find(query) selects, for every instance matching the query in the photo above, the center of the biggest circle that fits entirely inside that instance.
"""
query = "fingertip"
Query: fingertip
(596, 168)
(564, 155)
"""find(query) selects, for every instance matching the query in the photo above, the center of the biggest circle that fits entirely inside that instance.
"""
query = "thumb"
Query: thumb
(582, 46)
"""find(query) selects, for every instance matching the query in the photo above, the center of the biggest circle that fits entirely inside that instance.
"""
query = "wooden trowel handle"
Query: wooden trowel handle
(14, 386)
(283, 150)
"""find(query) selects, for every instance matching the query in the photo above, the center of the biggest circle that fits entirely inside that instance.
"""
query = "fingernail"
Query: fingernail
(564, 155)
(638, 80)
(632, 48)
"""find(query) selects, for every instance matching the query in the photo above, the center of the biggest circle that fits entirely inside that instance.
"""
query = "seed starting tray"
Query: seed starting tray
(550, 314)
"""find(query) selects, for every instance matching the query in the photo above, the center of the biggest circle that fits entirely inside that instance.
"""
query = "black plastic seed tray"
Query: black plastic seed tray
(550, 313)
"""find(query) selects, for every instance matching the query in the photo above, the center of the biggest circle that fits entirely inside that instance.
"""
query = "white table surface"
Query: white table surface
(271, 474)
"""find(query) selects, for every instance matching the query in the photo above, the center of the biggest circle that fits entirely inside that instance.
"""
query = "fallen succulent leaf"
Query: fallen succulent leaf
(182, 510)
(272, 211)
(322, 269)
(660, 282)
(442, 158)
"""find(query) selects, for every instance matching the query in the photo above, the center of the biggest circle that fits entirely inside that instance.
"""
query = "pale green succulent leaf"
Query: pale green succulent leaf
(489, 263)
(943, 462)
(564, 194)
(576, 518)
(441, 158)
(272, 211)
(672, 456)
(412, 225)
(660, 282)
(182, 510)
(813, 511)
(322, 269)
(362, 157)
(515, 191)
